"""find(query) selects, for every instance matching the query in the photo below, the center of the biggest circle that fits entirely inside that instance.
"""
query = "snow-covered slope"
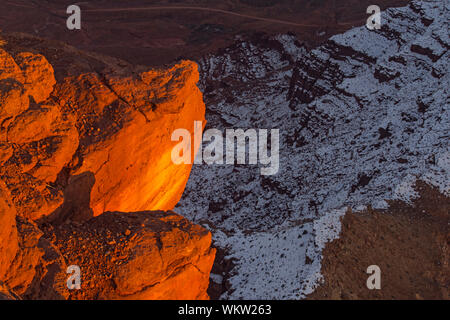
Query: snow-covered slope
(360, 117)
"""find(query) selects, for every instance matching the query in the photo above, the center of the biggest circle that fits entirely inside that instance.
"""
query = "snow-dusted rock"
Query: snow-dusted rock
(361, 118)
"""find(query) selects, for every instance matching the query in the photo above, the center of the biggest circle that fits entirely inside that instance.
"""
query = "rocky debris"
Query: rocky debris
(220, 273)
(99, 139)
(144, 255)
(361, 118)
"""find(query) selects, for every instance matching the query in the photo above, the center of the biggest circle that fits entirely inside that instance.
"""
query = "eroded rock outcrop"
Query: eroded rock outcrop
(144, 255)
(382, 237)
(24, 254)
(361, 117)
(8, 231)
(126, 125)
(96, 140)
(37, 140)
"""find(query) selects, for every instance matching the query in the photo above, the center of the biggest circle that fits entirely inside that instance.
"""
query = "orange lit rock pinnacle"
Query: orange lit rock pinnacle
(8, 232)
(130, 154)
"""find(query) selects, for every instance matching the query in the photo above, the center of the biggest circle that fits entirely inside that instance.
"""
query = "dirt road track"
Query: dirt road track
(231, 13)
(216, 11)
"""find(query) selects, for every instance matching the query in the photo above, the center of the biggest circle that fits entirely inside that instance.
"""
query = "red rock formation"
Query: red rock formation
(36, 140)
(117, 127)
(125, 125)
(96, 141)
(26, 258)
(8, 232)
(6, 293)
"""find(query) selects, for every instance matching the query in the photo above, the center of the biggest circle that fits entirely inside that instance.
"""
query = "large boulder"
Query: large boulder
(125, 125)
(144, 255)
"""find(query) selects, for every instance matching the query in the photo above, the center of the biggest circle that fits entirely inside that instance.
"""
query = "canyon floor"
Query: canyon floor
(364, 148)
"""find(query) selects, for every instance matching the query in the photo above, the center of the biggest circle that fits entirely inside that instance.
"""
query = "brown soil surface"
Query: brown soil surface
(161, 32)
(60, 121)
(410, 244)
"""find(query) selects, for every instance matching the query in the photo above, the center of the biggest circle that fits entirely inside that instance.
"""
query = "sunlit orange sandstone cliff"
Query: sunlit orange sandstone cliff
(87, 178)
